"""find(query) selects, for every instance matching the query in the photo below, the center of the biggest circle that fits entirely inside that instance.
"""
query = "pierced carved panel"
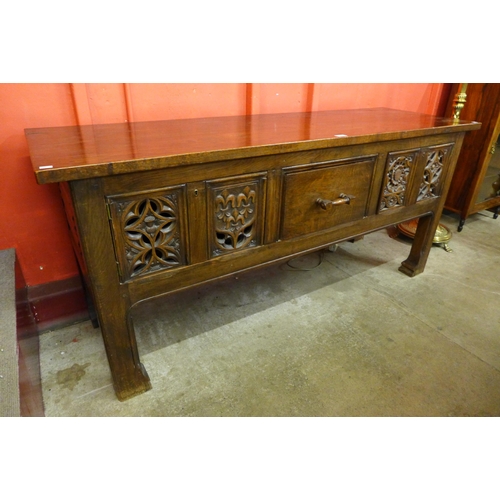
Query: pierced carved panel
(236, 216)
(149, 231)
(398, 169)
(435, 162)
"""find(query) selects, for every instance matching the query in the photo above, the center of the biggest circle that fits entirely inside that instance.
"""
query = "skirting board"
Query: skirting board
(58, 304)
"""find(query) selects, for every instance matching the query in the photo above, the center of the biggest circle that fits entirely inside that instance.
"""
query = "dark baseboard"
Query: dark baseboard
(58, 304)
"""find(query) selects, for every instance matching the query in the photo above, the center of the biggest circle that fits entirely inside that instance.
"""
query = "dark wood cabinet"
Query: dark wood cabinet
(160, 206)
(476, 183)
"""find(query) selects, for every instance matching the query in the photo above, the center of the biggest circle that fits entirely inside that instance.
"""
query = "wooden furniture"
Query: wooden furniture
(160, 206)
(476, 183)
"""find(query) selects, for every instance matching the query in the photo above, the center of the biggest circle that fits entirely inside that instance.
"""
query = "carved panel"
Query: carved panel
(149, 231)
(398, 169)
(236, 215)
(435, 163)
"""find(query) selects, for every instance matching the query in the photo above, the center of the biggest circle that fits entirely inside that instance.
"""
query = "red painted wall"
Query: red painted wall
(33, 220)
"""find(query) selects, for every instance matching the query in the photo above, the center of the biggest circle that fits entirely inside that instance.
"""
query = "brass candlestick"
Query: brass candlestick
(459, 102)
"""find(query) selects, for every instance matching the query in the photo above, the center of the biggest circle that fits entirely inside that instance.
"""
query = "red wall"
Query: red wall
(32, 218)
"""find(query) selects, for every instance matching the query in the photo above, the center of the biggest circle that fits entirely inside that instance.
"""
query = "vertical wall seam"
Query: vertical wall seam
(248, 98)
(434, 98)
(73, 101)
(128, 102)
(127, 93)
(310, 97)
(81, 106)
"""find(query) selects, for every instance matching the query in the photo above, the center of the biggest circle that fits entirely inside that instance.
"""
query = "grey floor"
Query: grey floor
(339, 333)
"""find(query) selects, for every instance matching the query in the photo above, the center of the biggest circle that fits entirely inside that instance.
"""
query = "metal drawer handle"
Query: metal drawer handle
(343, 199)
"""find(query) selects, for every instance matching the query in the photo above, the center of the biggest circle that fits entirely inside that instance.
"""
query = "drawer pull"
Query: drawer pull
(343, 199)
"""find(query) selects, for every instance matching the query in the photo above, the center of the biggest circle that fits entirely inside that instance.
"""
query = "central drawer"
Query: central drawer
(321, 196)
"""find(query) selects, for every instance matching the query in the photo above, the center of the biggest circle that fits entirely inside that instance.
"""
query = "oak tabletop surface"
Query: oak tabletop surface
(77, 152)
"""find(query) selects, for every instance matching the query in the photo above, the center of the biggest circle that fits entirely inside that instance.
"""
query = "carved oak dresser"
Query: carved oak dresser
(159, 206)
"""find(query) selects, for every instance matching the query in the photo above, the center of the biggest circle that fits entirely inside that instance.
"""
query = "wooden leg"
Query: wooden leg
(111, 297)
(422, 243)
(129, 375)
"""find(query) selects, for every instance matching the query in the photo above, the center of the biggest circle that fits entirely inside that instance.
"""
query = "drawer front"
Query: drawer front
(319, 197)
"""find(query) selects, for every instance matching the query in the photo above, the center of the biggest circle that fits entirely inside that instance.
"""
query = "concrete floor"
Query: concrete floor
(340, 333)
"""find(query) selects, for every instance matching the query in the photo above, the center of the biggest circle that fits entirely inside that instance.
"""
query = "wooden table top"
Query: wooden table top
(79, 152)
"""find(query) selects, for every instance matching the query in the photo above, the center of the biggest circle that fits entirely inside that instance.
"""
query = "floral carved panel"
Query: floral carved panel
(236, 216)
(435, 164)
(398, 170)
(149, 231)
